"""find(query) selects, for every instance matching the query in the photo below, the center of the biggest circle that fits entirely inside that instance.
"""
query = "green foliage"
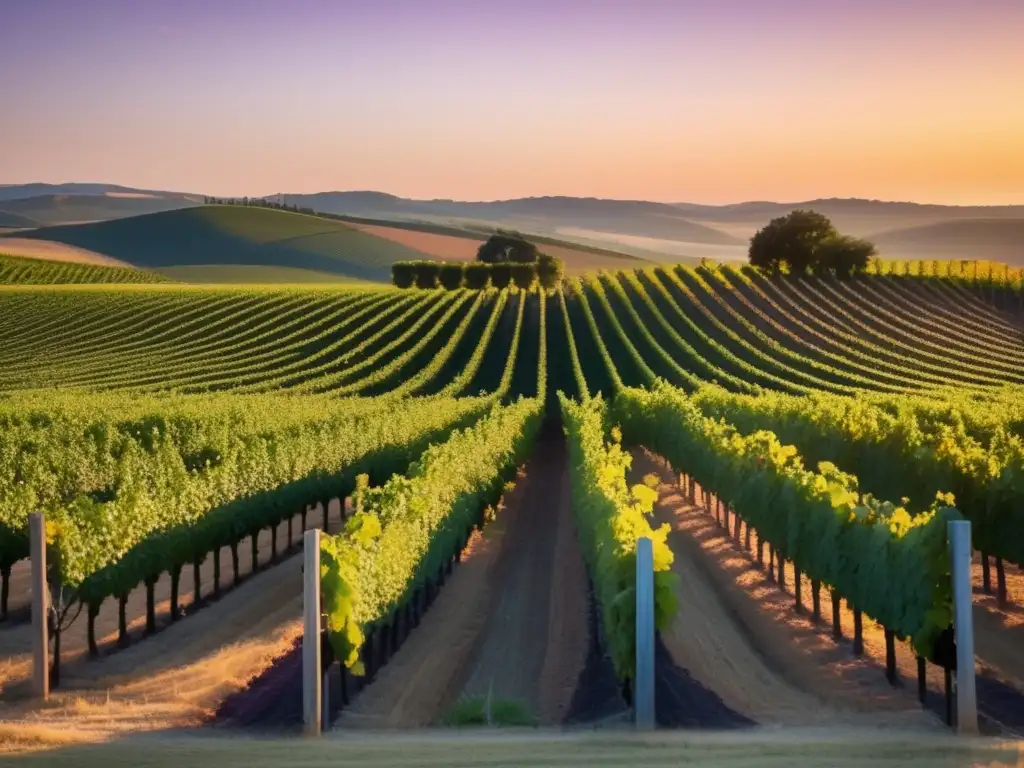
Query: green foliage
(610, 517)
(504, 247)
(806, 241)
(550, 271)
(478, 276)
(892, 566)
(403, 274)
(485, 710)
(133, 487)
(523, 275)
(18, 270)
(844, 256)
(411, 525)
(451, 275)
(501, 275)
(427, 273)
(790, 240)
(902, 447)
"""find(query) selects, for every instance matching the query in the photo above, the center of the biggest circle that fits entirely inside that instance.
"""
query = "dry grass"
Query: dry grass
(50, 250)
(175, 679)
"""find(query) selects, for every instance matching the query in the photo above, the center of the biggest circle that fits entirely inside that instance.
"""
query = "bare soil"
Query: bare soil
(447, 247)
(50, 250)
(510, 622)
(450, 247)
(15, 633)
(736, 634)
(999, 631)
(175, 679)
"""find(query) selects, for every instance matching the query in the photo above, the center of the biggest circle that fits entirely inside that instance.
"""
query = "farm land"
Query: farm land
(481, 464)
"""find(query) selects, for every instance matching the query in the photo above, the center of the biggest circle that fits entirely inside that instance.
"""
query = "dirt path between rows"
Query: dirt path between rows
(510, 622)
(175, 679)
(738, 636)
(16, 637)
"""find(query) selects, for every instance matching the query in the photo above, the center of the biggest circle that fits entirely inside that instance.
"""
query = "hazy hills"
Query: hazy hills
(900, 229)
(991, 239)
(641, 228)
(543, 214)
(33, 205)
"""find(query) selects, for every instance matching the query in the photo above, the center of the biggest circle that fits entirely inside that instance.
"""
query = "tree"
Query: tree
(478, 275)
(426, 274)
(403, 273)
(501, 274)
(451, 274)
(791, 240)
(844, 256)
(523, 275)
(549, 271)
(507, 247)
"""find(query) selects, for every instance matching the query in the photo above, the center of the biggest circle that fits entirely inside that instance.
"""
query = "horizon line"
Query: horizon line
(831, 198)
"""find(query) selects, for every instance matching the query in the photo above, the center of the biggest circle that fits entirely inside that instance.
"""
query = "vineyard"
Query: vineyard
(25, 271)
(483, 464)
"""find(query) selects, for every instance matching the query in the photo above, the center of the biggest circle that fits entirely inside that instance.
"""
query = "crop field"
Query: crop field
(482, 464)
(18, 270)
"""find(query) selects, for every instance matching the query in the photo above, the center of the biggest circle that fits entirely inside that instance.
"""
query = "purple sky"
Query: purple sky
(483, 99)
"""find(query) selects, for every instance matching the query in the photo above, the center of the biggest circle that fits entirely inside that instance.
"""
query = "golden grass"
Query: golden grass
(173, 680)
(49, 250)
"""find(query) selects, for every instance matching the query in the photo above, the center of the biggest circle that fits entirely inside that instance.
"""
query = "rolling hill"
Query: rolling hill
(651, 231)
(240, 244)
(862, 218)
(238, 237)
(991, 239)
(540, 214)
(38, 189)
(19, 270)
(11, 220)
(43, 210)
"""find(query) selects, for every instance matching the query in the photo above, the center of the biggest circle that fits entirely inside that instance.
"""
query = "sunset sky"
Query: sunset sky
(483, 99)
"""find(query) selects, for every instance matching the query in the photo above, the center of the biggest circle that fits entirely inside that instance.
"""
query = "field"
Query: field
(482, 463)
(246, 245)
(579, 259)
(17, 270)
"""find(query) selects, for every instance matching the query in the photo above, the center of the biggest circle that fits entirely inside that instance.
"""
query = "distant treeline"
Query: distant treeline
(477, 275)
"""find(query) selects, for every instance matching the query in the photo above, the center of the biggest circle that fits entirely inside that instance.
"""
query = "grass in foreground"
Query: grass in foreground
(425, 749)
(485, 710)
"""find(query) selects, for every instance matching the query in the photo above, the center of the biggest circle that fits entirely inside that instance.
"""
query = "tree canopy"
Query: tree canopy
(504, 247)
(806, 241)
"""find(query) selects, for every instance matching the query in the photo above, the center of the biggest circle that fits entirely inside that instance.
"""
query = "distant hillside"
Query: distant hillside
(222, 235)
(646, 230)
(37, 189)
(853, 216)
(538, 214)
(457, 242)
(65, 209)
(991, 239)
(9, 219)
